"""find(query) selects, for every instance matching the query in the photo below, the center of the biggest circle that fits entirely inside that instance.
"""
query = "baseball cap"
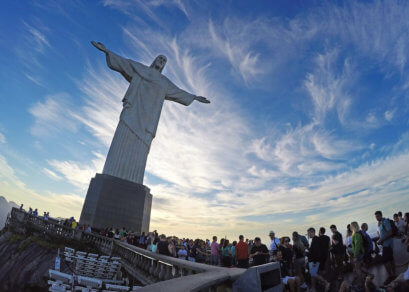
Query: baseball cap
(271, 232)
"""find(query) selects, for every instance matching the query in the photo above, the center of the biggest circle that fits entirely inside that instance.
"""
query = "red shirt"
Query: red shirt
(242, 250)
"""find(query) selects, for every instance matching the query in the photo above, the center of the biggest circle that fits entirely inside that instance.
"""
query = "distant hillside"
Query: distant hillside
(5, 208)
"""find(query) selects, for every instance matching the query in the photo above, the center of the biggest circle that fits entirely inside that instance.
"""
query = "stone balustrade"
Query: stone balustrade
(157, 272)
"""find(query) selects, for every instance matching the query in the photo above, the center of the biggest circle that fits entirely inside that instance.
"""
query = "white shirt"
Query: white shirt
(400, 225)
(274, 244)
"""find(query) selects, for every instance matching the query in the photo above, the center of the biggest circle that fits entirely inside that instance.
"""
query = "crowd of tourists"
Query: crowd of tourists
(69, 222)
(305, 261)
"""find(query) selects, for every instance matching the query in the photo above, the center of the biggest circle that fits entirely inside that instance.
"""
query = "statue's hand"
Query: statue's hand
(202, 99)
(99, 46)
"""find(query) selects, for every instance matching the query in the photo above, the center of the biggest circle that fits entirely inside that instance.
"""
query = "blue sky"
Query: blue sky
(307, 126)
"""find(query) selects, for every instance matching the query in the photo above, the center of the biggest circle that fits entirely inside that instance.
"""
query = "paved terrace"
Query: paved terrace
(157, 272)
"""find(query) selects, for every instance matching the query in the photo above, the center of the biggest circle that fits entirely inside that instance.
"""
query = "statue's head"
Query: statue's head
(159, 63)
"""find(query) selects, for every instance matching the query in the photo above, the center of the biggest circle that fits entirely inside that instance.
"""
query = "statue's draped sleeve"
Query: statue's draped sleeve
(120, 64)
(176, 94)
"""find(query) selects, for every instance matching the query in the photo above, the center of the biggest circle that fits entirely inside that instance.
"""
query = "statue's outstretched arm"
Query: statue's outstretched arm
(115, 62)
(99, 46)
(202, 99)
(176, 94)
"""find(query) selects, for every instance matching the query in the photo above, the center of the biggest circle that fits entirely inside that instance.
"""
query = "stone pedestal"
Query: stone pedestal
(115, 202)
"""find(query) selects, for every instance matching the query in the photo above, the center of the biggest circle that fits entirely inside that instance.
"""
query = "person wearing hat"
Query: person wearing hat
(275, 243)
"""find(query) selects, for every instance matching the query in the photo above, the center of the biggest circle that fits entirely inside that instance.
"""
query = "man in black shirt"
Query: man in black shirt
(324, 247)
(163, 246)
(259, 252)
(314, 257)
(338, 250)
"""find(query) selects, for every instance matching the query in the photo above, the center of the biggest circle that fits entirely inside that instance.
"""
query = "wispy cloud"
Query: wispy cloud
(53, 115)
(34, 43)
(327, 88)
(36, 38)
(13, 188)
(51, 174)
(35, 79)
(78, 174)
(389, 114)
(236, 49)
(2, 138)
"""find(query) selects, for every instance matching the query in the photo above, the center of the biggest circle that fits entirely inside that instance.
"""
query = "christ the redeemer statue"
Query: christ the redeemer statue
(139, 119)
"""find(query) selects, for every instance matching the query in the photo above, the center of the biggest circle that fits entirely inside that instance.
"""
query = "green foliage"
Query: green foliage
(14, 237)
(49, 243)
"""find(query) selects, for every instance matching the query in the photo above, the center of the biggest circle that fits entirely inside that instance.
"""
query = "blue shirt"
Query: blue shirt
(384, 228)
(370, 247)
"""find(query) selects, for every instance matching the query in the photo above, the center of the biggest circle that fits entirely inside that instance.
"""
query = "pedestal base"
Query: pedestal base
(115, 202)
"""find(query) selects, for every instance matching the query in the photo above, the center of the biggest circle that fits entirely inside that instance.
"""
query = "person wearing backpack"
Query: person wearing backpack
(358, 251)
(385, 233)
(368, 244)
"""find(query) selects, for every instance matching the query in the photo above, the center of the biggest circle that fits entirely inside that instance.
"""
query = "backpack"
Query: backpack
(366, 242)
(395, 231)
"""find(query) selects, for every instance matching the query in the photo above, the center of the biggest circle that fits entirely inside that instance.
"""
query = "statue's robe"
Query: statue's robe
(140, 115)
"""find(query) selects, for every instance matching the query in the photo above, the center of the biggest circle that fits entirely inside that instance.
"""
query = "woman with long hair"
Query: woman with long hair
(358, 251)
(299, 252)
(287, 254)
(226, 254)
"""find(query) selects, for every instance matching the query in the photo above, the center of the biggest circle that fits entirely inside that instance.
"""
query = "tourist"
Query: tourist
(117, 236)
(314, 260)
(324, 242)
(259, 253)
(338, 251)
(226, 254)
(233, 253)
(74, 223)
(299, 252)
(192, 250)
(88, 229)
(172, 247)
(275, 242)
(242, 253)
(182, 253)
(30, 211)
(21, 207)
(385, 234)
(163, 246)
(201, 253)
(141, 242)
(358, 250)
(406, 219)
(368, 244)
(35, 213)
(293, 283)
(348, 237)
(286, 254)
(399, 223)
(214, 252)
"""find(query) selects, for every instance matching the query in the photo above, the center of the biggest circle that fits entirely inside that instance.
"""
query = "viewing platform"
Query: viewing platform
(156, 272)
(163, 273)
